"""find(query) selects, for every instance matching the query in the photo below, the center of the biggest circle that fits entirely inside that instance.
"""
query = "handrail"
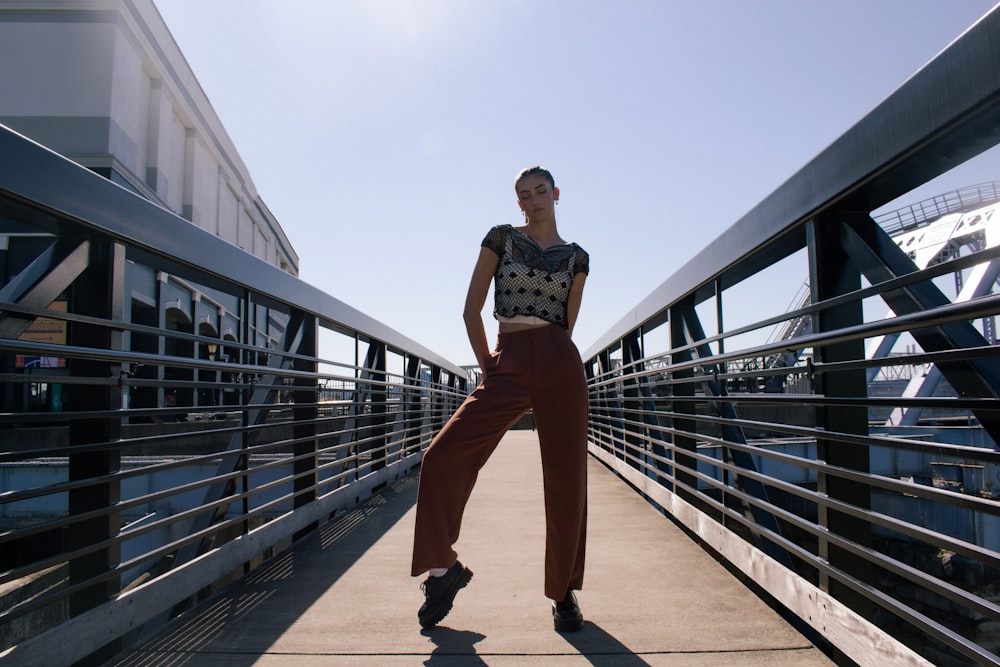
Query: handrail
(41, 175)
(868, 509)
(185, 401)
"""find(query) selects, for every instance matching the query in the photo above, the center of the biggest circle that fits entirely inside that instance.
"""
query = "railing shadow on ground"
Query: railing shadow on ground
(349, 536)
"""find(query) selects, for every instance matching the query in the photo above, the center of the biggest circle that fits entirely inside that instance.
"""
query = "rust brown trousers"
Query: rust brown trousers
(538, 369)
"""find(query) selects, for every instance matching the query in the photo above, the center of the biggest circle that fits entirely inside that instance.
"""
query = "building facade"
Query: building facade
(103, 83)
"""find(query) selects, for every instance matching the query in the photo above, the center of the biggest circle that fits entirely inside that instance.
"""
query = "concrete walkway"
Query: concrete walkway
(343, 595)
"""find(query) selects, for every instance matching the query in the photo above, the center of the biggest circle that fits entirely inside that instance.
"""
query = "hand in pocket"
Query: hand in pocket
(492, 362)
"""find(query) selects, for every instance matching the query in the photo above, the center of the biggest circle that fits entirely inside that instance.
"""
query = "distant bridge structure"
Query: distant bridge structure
(932, 232)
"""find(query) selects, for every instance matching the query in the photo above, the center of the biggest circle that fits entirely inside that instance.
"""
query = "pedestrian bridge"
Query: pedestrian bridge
(206, 460)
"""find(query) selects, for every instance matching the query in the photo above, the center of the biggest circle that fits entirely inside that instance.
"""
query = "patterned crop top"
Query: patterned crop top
(532, 281)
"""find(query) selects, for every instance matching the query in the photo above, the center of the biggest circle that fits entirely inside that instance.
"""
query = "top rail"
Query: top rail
(35, 174)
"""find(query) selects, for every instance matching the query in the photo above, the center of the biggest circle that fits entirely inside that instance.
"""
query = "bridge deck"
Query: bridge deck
(342, 596)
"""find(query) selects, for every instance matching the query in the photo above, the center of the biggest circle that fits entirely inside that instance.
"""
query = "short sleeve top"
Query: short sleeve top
(532, 281)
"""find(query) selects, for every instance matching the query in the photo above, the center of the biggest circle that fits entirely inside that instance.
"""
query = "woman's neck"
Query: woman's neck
(544, 232)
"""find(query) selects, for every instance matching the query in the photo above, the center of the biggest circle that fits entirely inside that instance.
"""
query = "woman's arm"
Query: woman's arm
(475, 299)
(573, 301)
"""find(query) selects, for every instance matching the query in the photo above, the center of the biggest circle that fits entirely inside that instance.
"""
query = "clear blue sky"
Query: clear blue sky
(384, 134)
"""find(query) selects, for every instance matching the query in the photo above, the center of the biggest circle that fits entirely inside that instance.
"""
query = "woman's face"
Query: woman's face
(536, 197)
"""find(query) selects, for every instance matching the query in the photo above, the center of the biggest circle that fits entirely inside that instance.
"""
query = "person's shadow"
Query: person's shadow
(453, 647)
(457, 647)
(601, 649)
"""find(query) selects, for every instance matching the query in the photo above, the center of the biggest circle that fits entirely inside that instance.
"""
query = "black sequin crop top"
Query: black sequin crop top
(532, 281)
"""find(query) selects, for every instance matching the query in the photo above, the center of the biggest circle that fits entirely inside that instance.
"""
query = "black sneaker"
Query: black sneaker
(440, 593)
(566, 615)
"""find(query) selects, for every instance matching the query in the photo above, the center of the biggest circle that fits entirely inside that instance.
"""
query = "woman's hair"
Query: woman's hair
(531, 171)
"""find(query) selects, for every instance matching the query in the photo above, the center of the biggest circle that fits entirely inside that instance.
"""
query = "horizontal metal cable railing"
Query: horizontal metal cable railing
(841, 455)
(174, 409)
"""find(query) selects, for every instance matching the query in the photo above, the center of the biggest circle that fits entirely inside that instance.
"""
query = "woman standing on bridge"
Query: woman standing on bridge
(538, 285)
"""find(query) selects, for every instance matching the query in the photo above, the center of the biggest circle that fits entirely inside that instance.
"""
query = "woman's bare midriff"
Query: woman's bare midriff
(511, 327)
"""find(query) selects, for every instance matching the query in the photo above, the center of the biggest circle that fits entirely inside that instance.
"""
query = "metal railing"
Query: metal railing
(174, 409)
(881, 535)
(915, 215)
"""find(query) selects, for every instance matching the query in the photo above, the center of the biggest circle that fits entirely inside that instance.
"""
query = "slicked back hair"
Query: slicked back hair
(531, 171)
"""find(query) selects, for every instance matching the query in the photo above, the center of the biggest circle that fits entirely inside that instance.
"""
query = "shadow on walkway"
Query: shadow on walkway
(602, 649)
(342, 595)
(453, 645)
(225, 629)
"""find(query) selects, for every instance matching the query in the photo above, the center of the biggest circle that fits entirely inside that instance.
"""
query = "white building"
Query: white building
(103, 83)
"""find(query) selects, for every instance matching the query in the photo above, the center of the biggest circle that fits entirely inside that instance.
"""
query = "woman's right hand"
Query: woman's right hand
(490, 363)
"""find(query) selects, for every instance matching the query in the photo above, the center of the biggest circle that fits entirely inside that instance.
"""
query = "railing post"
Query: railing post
(613, 411)
(306, 413)
(593, 400)
(832, 274)
(633, 421)
(455, 384)
(682, 386)
(98, 292)
(379, 395)
(411, 405)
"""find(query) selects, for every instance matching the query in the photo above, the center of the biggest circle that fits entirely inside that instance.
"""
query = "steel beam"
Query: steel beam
(832, 274)
(880, 259)
(42, 281)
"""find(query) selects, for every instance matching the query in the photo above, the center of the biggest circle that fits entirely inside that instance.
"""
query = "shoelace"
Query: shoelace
(423, 588)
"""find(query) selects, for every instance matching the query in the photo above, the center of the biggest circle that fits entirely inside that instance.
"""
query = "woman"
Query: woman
(538, 285)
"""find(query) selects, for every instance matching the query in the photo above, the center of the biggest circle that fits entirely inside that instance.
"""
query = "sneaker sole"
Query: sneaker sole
(568, 624)
(461, 581)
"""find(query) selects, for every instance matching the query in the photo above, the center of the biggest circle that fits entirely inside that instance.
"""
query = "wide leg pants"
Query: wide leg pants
(538, 369)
